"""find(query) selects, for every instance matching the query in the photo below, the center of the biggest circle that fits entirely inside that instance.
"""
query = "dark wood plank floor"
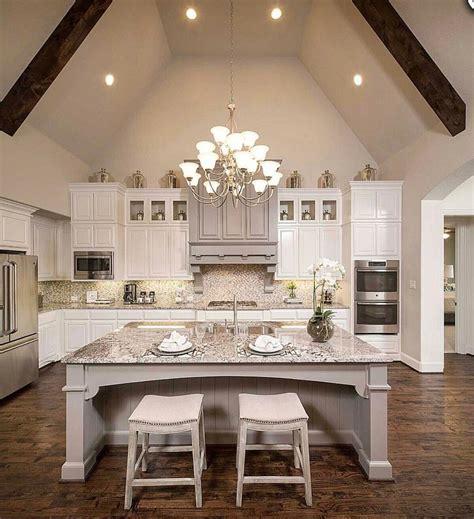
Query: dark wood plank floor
(431, 443)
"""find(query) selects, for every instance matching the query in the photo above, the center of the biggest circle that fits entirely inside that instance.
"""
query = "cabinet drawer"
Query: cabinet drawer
(282, 313)
(342, 323)
(156, 315)
(250, 315)
(219, 315)
(386, 343)
(103, 314)
(304, 313)
(132, 315)
(183, 315)
(76, 314)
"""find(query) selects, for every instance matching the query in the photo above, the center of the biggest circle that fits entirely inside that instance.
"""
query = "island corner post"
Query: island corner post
(359, 390)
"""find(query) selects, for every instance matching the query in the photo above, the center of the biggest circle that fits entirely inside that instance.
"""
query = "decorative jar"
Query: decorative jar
(284, 215)
(326, 180)
(295, 180)
(138, 179)
(368, 174)
(182, 216)
(102, 176)
(171, 179)
(306, 215)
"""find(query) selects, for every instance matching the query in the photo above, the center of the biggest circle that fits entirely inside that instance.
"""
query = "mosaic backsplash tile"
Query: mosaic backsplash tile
(220, 282)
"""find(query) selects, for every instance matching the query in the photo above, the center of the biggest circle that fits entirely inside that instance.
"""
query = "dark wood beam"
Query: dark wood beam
(416, 62)
(49, 61)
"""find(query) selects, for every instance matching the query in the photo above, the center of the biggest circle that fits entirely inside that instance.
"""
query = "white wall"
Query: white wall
(461, 200)
(275, 97)
(37, 171)
(423, 165)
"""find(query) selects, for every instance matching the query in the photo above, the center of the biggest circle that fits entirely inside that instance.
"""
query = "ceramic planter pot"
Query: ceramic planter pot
(320, 329)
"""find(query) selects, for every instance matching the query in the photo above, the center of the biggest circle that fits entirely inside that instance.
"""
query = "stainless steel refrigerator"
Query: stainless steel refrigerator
(18, 321)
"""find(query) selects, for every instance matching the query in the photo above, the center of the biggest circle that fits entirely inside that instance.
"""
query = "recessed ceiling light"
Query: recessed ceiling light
(276, 13)
(191, 13)
(358, 80)
(109, 79)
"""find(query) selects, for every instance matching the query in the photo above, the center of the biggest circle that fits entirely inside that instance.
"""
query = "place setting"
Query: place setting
(263, 345)
(180, 344)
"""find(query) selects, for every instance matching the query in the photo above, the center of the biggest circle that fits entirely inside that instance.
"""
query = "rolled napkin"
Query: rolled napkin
(268, 344)
(175, 342)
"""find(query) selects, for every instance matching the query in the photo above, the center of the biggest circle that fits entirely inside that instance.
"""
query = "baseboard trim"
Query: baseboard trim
(421, 367)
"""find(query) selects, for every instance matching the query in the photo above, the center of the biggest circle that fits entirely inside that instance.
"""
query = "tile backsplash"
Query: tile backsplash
(221, 282)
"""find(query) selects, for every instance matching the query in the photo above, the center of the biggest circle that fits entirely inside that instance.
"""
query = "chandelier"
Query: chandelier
(233, 165)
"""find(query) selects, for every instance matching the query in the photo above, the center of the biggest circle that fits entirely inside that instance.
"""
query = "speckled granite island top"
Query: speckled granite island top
(134, 343)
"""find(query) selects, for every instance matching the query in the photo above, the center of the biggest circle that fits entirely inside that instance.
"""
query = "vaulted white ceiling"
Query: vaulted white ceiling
(135, 39)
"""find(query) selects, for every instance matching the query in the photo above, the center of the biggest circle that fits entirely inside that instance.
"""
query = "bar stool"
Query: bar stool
(282, 412)
(166, 415)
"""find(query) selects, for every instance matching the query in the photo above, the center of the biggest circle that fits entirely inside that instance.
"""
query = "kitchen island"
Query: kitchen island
(342, 384)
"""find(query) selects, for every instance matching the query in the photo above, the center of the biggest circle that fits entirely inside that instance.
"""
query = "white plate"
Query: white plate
(172, 347)
(156, 351)
(266, 353)
(266, 349)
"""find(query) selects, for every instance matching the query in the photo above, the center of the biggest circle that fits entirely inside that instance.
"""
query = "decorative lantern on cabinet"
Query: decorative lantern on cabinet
(138, 179)
(326, 180)
(295, 180)
(368, 173)
(102, 176)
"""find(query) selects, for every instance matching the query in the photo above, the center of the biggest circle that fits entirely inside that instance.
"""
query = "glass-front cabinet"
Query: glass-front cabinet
(309, 206)
(156, 206)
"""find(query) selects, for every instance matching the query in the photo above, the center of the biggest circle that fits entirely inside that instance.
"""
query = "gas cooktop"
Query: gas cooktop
(230, 304)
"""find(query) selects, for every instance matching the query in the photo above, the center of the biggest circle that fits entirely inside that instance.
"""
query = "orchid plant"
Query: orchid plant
(326, 274)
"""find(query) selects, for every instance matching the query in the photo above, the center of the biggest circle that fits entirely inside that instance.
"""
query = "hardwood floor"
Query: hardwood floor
(431, 445)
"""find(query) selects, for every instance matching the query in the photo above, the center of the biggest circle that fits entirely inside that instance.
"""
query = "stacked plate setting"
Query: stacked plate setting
(266, 345)
(175, 344)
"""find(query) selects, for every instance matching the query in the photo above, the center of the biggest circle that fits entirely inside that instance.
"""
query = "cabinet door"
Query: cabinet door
(257, 222)
(364, 239)
(104, 236)
(82, 206)
(137, 253)
(76, 334)
(48, 338)
(364, 205)
(15, 230)
(104, 207)
(388, 239)
(388, 204)
(159, 253)
(330, 243)
(44, 246)
(233, 220)
(210, 222)
(101, 328)
(179, 253)
(342, 323)
(64, 253)
(308, 249)
(287, 253)
(82, 235)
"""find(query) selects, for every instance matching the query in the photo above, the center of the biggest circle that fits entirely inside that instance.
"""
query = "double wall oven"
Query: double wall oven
(376, 296)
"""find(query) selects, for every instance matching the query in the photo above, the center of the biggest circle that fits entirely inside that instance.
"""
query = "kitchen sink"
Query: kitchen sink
(230, 304)
(261, 329)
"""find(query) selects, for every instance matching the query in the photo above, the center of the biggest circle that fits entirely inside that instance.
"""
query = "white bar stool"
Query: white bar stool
(282, 412)
(166, 415)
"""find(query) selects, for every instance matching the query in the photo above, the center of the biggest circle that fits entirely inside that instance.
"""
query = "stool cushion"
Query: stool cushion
(167, 410)
(271, 409)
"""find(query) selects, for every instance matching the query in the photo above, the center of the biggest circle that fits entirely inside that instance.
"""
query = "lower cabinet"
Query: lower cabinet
(389, 344)
(76, 334)
(49, 332)
(101, 328)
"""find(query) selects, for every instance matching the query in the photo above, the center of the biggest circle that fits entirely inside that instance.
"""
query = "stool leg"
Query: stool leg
(145, 444)
(202, 437)
(237, 450)
(241, 461)
(132, 454)
(306, 464)
(296, 443)
(196, 463)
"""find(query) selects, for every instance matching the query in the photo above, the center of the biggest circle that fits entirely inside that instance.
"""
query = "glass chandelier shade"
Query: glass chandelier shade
(233, 165)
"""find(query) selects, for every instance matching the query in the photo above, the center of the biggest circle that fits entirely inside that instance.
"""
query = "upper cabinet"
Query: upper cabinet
(156, 206)
(91, 202)
(372, 201)
(309, 206)
(15, 226)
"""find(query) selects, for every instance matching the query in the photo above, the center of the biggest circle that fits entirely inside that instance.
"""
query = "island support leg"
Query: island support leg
(84, 427)
(373, 427)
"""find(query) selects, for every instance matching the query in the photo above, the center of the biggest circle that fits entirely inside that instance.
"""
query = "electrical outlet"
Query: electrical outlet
(74, 299)
(413, 284)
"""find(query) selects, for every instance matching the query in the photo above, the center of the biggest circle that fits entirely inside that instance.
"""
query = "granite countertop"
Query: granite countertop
(50, 307)
(133, 344)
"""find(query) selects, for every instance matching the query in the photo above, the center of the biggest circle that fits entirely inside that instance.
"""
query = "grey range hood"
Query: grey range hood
(231, 235)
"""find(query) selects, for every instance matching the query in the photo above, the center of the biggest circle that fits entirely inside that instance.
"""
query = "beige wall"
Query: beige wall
(37, 171)
(275, 97)
(423, 165)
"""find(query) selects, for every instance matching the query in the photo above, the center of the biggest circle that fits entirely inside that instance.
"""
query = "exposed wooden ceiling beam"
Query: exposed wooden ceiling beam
(416, 62)
(49, 61)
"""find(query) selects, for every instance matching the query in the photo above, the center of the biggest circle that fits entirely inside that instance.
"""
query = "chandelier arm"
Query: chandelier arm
(268, 189)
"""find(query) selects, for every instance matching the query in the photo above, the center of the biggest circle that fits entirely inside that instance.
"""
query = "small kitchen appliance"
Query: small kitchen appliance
(130, 294)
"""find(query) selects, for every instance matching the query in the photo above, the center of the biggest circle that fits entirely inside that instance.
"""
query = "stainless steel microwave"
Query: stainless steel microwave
(93, 265)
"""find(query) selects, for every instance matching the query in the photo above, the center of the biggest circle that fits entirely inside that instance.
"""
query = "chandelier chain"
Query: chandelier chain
(231, 51)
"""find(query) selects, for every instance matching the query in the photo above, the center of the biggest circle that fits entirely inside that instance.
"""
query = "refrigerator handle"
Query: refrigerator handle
(6, 299)
(13, 299)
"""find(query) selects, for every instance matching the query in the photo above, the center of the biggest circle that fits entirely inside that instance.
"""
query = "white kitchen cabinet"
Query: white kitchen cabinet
(388, 238)
(389, 344)
(179, 253)
(82, 206)
(330, 243)
(364, 239)
(99, 328)
(137, 253)
(308, 249)
(83, 235)
(364, 204)
(49, 338)
(388, 204)
(15, 226)
(159, 251)
(63, 252)
(45, 247)
(76, 334)
(105, 203)
(287, 253)
(104, 236)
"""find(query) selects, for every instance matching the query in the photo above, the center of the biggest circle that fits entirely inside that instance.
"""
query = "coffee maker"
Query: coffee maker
(130, 294)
